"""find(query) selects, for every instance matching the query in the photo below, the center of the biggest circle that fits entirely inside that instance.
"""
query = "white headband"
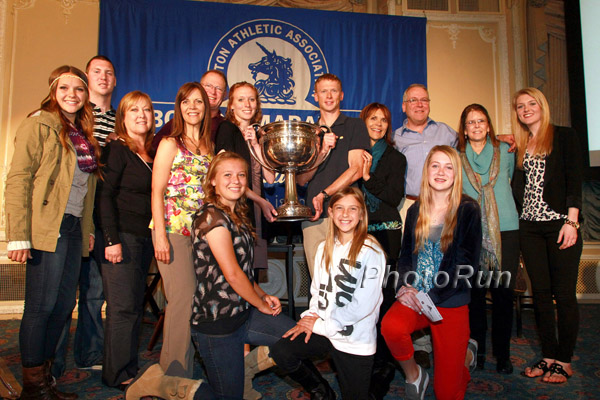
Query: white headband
(68, 76)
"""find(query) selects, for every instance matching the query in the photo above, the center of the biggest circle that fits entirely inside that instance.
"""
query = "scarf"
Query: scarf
(376, 151)
(491, 250)
(86, 158)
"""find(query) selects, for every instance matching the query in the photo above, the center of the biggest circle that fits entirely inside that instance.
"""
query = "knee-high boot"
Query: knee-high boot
(313, 382)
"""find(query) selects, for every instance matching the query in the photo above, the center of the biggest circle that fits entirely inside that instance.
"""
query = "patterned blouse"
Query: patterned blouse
(184, 193)
(429, 259)
(215, 301)
(534, 206)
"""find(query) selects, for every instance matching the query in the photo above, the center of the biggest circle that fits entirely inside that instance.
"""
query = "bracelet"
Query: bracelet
(325, 195)
(572, 223)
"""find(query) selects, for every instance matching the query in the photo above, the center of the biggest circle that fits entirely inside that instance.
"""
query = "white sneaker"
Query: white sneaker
(471, 359)
(416, 390)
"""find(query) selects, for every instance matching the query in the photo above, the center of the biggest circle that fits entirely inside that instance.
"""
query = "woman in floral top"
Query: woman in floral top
(181, 162)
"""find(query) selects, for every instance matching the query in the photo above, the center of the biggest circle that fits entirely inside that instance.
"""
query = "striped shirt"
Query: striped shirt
(104, 124)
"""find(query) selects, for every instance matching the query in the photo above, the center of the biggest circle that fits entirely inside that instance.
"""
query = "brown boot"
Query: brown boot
(256, 361)
(35, 385)
(52, 384)
(153, 382)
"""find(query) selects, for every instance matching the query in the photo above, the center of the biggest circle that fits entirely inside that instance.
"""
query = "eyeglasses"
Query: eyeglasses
(476, 122)
(209, 86)
(414, 100)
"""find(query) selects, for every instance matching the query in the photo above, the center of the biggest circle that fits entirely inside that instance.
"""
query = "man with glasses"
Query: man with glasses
(417, 136)
(415, 139)
(214, 83)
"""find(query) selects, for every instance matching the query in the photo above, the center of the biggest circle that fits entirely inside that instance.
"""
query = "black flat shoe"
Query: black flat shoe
(504, 367)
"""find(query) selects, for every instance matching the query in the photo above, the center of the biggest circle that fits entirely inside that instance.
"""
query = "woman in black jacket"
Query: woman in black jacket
(123, 206)
(383, 188)
(547, 187)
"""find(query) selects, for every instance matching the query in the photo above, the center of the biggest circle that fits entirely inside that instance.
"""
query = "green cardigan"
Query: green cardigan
(507, 211)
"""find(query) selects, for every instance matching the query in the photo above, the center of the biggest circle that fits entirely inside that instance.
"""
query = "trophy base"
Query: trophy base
(293, 212)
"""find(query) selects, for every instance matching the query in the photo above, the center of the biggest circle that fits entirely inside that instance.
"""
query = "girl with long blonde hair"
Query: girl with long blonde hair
(547, 186)
(442, 240)
(344, 307)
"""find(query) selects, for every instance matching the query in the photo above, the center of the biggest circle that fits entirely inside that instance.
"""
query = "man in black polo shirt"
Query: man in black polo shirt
(342, 168)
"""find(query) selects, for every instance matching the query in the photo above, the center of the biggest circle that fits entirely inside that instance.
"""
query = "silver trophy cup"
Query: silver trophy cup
(289, 147)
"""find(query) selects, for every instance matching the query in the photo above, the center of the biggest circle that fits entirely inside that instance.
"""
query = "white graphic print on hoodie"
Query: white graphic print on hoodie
(347, 298)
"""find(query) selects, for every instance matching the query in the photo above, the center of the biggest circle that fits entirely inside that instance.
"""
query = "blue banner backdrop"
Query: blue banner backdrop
(157, 45)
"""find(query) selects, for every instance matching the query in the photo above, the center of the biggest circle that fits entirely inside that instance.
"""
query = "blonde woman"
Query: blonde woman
(442, 234)
(547, 187)
(244, 110)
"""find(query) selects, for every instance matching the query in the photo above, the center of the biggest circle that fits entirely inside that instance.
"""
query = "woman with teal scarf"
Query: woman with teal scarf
(383, 187)
(487, 171)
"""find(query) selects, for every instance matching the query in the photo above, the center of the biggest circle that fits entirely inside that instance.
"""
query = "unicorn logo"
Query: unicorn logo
(278, 87)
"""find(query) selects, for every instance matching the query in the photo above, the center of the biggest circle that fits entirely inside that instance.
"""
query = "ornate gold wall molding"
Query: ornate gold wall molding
(22, 5)
(487, 34)
(327, 5)
(68, 5)
(498, 38)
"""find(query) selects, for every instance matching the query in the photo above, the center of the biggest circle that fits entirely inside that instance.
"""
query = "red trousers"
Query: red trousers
(450, 337)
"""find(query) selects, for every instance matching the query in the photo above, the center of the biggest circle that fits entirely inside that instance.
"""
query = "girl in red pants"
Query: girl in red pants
(442, 240)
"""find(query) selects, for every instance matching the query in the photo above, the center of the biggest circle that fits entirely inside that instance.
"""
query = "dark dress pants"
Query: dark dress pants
(124, 286)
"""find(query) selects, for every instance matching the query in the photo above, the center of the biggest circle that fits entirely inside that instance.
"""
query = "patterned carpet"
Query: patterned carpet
(484, 384)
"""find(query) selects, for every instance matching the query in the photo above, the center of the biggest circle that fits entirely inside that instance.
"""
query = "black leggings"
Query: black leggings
(502, 303)
(353, 371)
(553, 273)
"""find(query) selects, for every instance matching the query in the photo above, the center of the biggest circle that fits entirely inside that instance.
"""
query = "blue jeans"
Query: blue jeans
(223, 355)
(89, 336)
(50, 289)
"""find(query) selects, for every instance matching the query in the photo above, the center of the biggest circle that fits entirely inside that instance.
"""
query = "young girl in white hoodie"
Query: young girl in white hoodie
(344, 308)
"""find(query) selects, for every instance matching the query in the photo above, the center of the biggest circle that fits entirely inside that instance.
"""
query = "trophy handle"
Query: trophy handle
(324, 129)
(253, 153)
(322, 135)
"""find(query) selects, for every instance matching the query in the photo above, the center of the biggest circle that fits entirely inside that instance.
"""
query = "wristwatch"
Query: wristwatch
(325, 195)
(572, 223)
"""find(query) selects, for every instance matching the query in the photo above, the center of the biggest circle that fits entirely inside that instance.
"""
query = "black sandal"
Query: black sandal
(557, 369)
(541, 365)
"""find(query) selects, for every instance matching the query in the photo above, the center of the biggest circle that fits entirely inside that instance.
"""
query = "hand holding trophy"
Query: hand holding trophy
(290, 147)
